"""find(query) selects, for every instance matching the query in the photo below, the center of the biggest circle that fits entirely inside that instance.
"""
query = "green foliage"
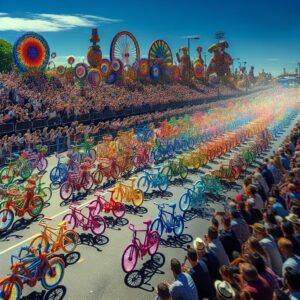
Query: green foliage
(6, 55)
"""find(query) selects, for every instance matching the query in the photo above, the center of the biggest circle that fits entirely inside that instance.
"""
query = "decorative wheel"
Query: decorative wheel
(81, 70)
(198, 70)
(160, 53)
(94, 77)
(143, 67)
(60, 70)
(105, 67)
(155, 72)
(117, 66)
(125, 47)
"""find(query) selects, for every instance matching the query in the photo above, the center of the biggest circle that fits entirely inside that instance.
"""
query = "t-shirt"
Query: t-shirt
(212, 264)
(280, 210)
(183, 288)
(202, 280)
(217, 248)
(294, 296)
(259, 289)
(229, 242)
(292, 262)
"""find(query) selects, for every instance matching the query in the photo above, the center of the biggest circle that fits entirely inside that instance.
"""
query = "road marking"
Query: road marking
(20, 243)
(81, 260)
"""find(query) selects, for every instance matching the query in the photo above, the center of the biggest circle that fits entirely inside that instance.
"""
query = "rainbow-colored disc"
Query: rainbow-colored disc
(31, 53)
(117, 66)
(60, 70)
(94, 77)
(94, 56)
(198, 70)
(81, 70)
(143, 67)
(70, 74)
(155, 72)
(105, 67)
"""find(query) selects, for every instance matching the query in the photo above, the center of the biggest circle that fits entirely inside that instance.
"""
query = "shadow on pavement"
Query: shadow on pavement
(203, 213)
(177, 241)
(141, 278)
(115, 224)
(139, 211)
(93, 241)
(157, 194)
(57, 293)
(180, 181)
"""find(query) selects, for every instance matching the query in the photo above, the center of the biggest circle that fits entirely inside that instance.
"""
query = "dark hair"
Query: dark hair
(241, 205)
(296, 210)
(258, 262)
(227, 221)
(215, 222)
(175, 266)
(163, 290)
(281, 295)
(292, 277)
(192, 254)
(287, 228)
(212, 233)
(270, 217)
(275, 231)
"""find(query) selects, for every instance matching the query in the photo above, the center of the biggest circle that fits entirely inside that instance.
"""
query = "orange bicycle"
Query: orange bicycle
(61, 238)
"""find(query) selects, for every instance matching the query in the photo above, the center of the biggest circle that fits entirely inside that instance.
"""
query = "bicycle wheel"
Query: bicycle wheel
(153, 240)
(167, 171)
(184, 202)
(117, 194)
(10, 290)
(55, 174)
(69, 241)
(129, 258)
(46, 194)
(26, 171)
(144, 184)
(203, 159)
(98, 206)
(183, 171)
(6, 218)
(37, 204)
(39, 241)
(196, 162)
(178, 225)
(92, 155)
(7, 175)
(97, 177)
(42, 164)
(66, 191)
(87, 181)
(157, 155)
(71, 221)
(137, 197)
(157, 225)
(164, 183)
(115, 172)
(118, 209)
(98, 225)
(53, 274)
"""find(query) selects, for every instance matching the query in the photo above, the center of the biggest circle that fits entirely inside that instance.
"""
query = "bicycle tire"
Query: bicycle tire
(184, 202)
(144, 184)
(178, 225)
(158, 226)
(66, 191)
(50, 281)
(129, 258)
(98, 225)
(10, 290)
(138, 197)
(69, 241)
(153, 240)
(6, 218)
(118, 209)
(38, 204)
(71, 221)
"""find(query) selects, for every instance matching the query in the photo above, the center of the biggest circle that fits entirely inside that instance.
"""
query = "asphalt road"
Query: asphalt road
(97, 271)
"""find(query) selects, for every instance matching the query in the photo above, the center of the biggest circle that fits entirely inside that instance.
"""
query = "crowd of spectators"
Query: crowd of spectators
(252, 249)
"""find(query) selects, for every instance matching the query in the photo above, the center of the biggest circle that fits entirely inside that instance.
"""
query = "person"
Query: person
(228, 275)
(277, 207)
(255, 214)
(288, 231)
(228, 239)
(183, 288)
(162, 291)
(267, 175)
(255, 248)
(291, 280)
(200, 274)
(224, 290)
(254, 284)
(215, 245)
(285, 161)
(241, 207)
(292, 260)
(208, 257)
(239, 226)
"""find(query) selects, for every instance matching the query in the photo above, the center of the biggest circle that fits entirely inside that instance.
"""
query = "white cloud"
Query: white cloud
(273, 59)
(51, 22)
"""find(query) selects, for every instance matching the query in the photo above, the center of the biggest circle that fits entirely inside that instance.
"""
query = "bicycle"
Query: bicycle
(59, 238)
(128, 193)
(93, 221)
(174, 169)
(38, 159)
(168, 221)
(139, 249)
(29, 269)
(19, 204)
(209, 184)
(101, 204)
(194, 197)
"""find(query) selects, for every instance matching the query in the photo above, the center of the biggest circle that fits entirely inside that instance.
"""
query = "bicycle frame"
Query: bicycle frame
(141, 246)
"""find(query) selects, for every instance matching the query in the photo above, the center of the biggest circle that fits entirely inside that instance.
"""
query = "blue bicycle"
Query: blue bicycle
(153, 180)
(168, 221)
(194, 197)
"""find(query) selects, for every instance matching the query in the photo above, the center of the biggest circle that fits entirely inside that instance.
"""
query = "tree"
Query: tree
(6, 55)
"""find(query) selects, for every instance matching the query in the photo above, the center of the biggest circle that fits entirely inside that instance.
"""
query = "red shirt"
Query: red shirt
(259, 289)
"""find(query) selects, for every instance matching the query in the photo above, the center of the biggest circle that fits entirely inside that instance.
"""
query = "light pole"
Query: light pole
(237, 59)
(189, 38)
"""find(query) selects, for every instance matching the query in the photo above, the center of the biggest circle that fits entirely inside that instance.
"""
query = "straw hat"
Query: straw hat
(199, 245)
(258, 227)
(293, 218)
(224, 289)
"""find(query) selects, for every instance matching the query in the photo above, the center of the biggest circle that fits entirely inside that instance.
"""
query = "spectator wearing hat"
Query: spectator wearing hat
(255, 248)
(269, 245)
(291, 259)
(183, 288)
(208, 257)
(254, 284)
(215, 245)
(162, 291)
(277, 207)
(224, 290)
(200, 274)
(239, 226)
(288, 231)
(291, 280)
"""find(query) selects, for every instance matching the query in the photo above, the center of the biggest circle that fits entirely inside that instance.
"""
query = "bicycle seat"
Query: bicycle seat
(62, 224)
(172, 204)
(147, 222)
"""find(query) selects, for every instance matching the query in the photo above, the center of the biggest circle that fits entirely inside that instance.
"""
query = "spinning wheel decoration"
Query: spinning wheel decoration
(125, 47)
(155, 72)
(60, 70)
(70, 74)
(143, 67)
(160, 53)
(94, 56)
(176, 73)
(71, 60)
(81, 70)
(94, 77)
(198, 70)
(31, 53)
(117, 66)
(53, 55)
(105, 67)
(111, 78)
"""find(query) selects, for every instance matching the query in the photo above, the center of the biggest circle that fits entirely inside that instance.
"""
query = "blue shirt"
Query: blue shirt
(183, 288)
(280, 210)
(285, 162)
(292, 262)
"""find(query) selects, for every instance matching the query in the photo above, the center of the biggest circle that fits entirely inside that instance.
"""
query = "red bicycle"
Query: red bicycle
(107, 168)
(93, 221)
(101, 204)
(139, 249)
(141, 158)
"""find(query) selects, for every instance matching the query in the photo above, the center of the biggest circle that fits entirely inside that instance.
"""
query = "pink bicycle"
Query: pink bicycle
(92, 222)
(138, 249)
(101, 204)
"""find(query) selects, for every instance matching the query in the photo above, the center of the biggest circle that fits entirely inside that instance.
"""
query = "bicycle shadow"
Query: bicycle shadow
(138, 211)
(141, 278)
(177, 241)
(231, 185)
(207, 166)
(202, 213)
(96, 242)
(70, 258)
(77, 198)
(115, 223)
(57, 293)
(180, 181)
(157, 194)
(19, 225)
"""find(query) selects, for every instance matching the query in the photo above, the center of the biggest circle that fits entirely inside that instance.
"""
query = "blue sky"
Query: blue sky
(265, 33)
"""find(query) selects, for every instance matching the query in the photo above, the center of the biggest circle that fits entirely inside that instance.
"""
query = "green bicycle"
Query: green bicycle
(175, 168)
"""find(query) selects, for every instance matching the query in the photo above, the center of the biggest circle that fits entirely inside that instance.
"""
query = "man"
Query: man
(285, 161)
(269, 245)
(254, 284)
(239, 226)
(241, 207)
(200, 275)
(267, 175)
(224, 290)
(215, 245)
(162, 291)
(292, 260)
(183, 288)
(292, 280)
(209, 258)
(254, 213)
(228, 239)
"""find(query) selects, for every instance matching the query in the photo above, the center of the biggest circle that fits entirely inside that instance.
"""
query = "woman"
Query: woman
(254, 248)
